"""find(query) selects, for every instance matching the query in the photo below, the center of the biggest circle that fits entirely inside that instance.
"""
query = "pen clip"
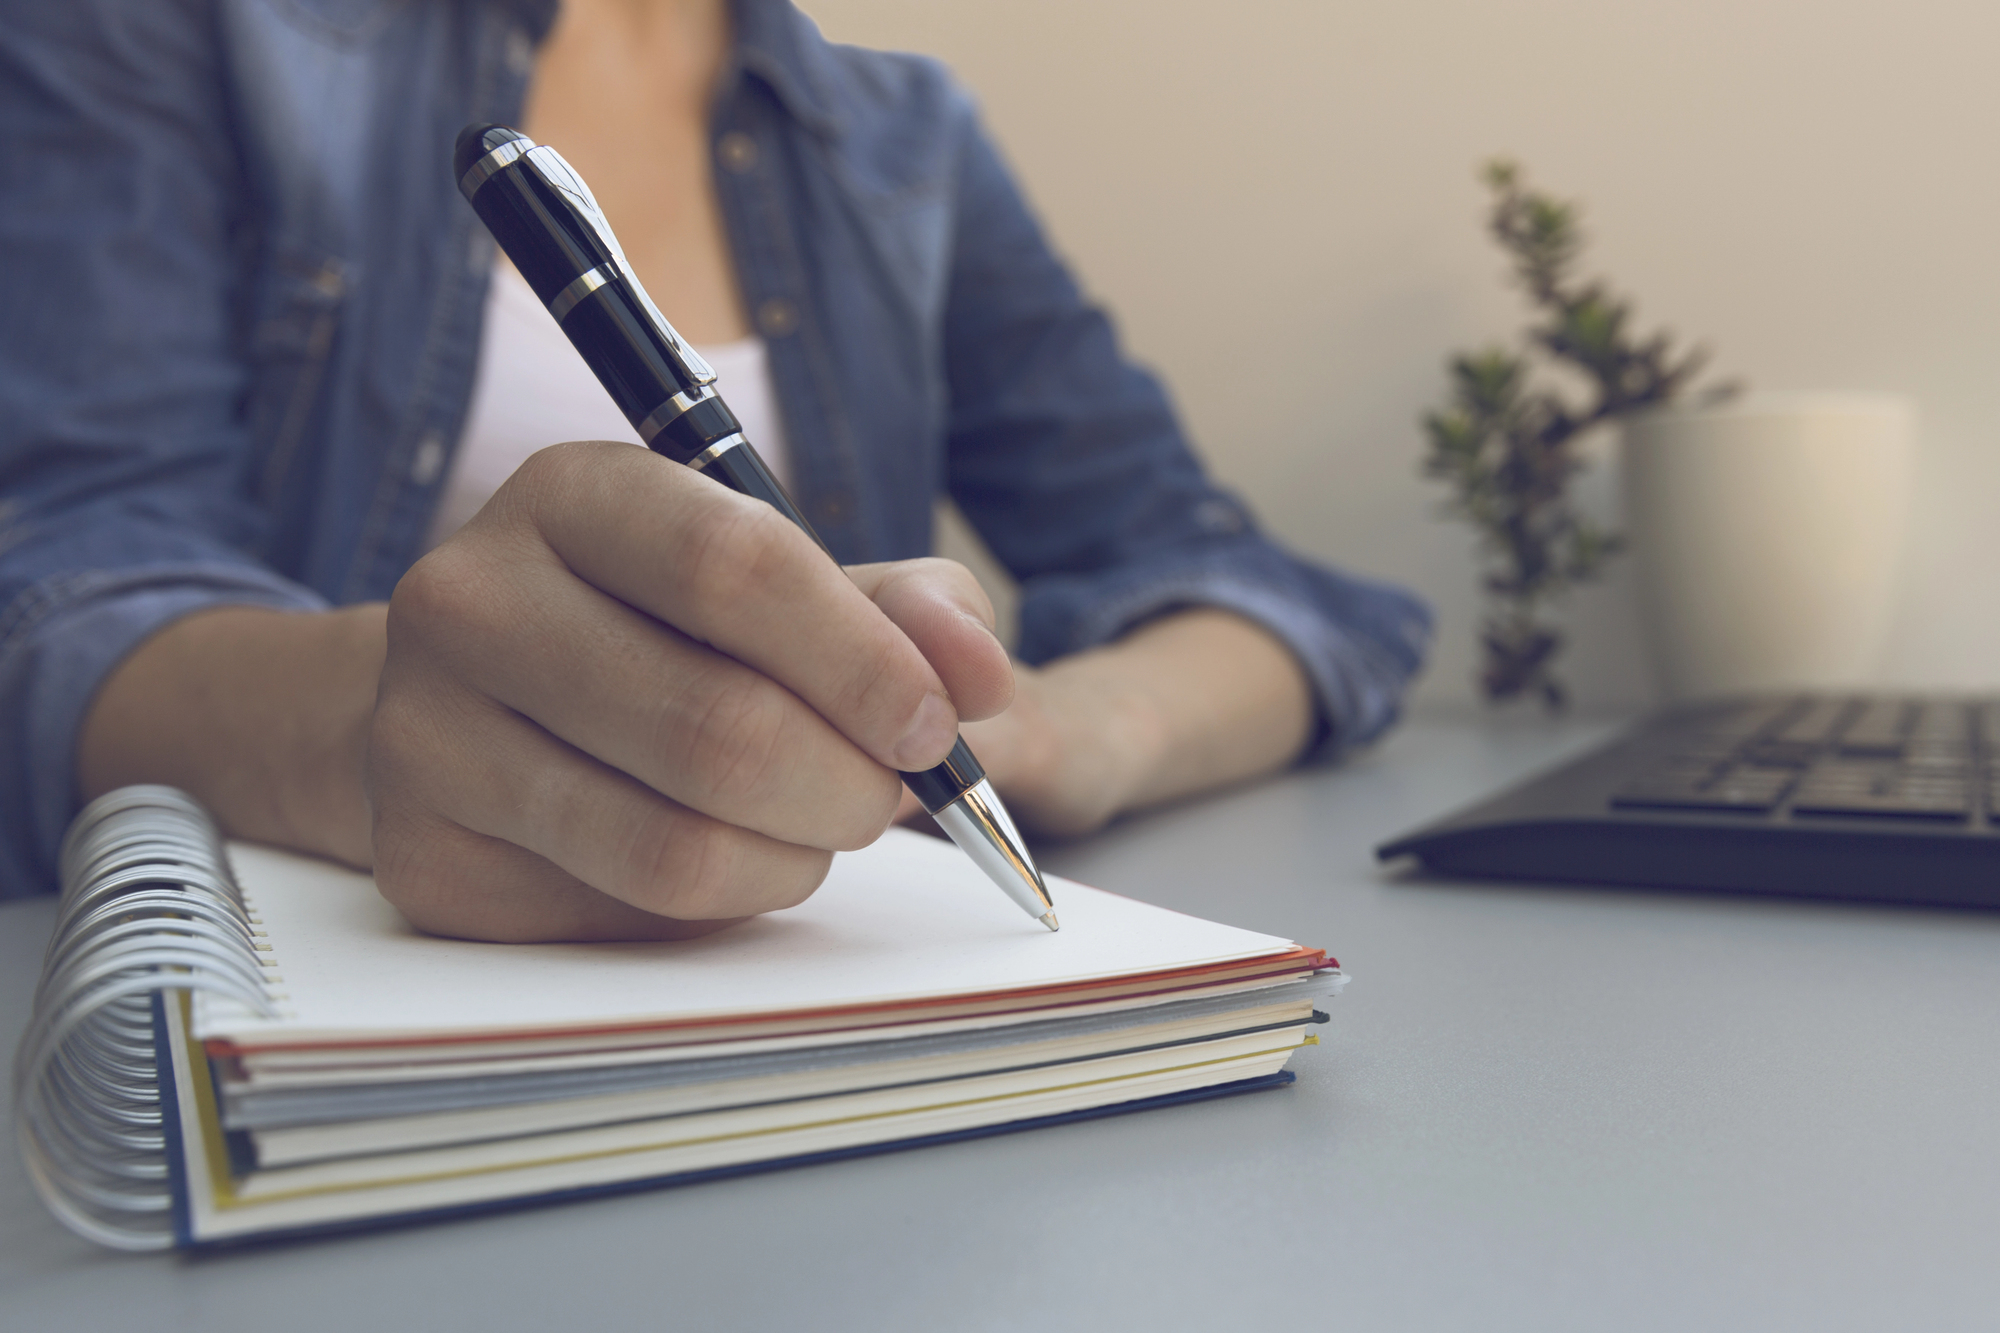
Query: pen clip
(564, 180)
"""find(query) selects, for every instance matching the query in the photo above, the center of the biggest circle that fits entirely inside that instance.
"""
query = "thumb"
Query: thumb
(948, 616)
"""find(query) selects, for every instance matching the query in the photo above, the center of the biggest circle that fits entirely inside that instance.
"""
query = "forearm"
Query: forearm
(261, 715)
(1193, 701)
(1226, 701)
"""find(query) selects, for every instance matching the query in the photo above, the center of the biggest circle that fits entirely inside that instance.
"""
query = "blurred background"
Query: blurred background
(1278, 201)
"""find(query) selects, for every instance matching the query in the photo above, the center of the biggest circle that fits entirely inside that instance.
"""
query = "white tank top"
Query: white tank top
(532, 390)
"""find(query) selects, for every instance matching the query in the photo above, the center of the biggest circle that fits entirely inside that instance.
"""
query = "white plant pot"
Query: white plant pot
(1766, 534)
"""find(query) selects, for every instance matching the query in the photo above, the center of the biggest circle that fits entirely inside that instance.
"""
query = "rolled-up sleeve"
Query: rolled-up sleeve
(1359, 643)
(60, 637)
(125, 486)
(1070, 463)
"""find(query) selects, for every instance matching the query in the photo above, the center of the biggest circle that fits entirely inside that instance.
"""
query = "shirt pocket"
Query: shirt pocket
(295, 318)
(339, 22)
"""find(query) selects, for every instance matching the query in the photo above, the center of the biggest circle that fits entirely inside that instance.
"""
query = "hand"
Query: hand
(626, 702)
(1066, 755)
(1191, 701)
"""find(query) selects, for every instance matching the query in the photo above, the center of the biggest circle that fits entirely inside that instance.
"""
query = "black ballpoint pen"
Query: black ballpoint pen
(546, 219)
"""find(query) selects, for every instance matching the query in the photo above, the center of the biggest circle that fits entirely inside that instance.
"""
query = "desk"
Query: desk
(1535, 1108)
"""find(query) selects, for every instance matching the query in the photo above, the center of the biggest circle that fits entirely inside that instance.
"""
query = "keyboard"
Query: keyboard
(1876, 797)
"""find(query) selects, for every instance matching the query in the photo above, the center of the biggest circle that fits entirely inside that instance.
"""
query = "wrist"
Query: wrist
(323, 773)
(1089, 742)
(261, 715)
(1190, 702)
(1116, 728)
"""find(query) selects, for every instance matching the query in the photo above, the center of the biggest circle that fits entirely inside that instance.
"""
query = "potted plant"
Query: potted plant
(1508, 441)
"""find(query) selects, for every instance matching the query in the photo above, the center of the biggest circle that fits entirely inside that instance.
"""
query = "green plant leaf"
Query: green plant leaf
(1506, 446)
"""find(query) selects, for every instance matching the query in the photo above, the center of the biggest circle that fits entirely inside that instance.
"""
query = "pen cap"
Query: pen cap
(546, 220)
(546, 235)
(475, 142)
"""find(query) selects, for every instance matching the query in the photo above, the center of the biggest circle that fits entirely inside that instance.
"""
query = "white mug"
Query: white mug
(1766, 532)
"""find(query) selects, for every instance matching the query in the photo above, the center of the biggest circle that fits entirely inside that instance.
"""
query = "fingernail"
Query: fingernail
(929, 736)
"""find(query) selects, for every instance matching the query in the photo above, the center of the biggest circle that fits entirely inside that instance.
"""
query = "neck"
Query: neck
(624, 90)
(675, 47)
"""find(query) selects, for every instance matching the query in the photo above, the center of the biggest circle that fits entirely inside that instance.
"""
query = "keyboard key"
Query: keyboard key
(1694, 764)
(1710, 750)
(1988, 720)
(1937, 752)
(1741, 790)
(1802, 736)
(1817, 724)
(1883, 791)
(1880, 728)
(1888, 758)
(1946, 722)
(1747, 720)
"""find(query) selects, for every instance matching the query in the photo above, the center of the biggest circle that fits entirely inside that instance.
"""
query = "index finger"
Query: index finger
(735, 573)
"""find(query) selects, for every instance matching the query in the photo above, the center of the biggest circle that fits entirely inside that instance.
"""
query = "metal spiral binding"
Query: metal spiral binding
(148, 907)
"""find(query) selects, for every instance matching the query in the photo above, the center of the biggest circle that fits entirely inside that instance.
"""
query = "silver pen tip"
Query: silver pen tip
(980, 825)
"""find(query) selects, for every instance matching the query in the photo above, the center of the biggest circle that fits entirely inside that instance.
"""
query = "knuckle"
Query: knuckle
(937, 579)
(394, 735)
(678, 867)
(881, 687)
(456, 604)
(701, 869)
(804, 871)
(548, 483)
(552, 468)
(444, 590)
(735, 549)
(412, 868)
(542, 802)
(405, 734)
(867, 812)
(733, 746)
(422, 594)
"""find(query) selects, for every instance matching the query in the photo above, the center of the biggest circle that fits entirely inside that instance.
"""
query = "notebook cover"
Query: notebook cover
(177, 1162)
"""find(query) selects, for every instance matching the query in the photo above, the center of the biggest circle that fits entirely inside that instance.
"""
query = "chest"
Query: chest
(630, 113)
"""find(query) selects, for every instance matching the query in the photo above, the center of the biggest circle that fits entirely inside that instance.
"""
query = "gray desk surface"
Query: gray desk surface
(1535, 1108)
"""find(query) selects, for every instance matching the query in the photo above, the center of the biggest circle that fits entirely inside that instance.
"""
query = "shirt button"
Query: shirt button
(777, 317)
(833, 508)
(428, 461)
(737, 152)
(520, 52)
(1219, 516)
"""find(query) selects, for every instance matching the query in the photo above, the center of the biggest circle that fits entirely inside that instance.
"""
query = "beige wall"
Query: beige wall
(1277, 199)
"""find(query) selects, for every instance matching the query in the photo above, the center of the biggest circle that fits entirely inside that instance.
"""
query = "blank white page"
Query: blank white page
(908, 918)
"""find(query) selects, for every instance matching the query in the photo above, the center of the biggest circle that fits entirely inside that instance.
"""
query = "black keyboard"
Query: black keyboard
(1886, 798)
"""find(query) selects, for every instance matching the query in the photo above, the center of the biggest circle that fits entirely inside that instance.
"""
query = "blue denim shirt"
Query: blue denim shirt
(242, 306)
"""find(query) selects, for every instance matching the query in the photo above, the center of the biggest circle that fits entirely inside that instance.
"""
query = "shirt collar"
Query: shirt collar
(784, 48)
(535, 16)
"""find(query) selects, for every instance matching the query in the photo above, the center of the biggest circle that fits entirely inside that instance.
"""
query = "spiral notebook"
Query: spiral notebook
(232, 1043)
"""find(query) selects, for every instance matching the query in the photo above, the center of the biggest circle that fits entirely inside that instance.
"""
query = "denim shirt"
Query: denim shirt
(242, 307)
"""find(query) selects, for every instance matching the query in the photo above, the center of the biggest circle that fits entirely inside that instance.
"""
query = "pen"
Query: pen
(547, 221)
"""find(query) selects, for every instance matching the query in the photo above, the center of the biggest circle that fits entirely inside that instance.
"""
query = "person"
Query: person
(259, 365)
